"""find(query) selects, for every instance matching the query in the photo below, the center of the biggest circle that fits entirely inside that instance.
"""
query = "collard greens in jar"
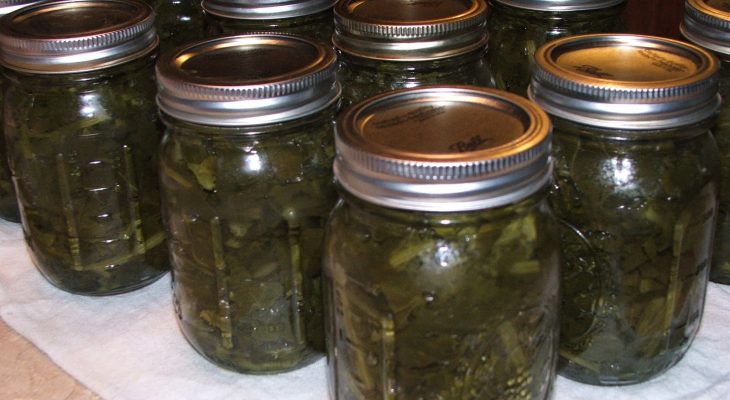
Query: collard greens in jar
(636, 190)
(8, 202)
(518, 27)
(707, 24)
(385, 45)
(178, 22)
(82, 136)
(441, 258)
(246, 174)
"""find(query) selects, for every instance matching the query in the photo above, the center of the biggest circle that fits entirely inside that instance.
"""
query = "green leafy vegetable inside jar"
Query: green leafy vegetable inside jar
(82, 139)
(518, 27)
(246, 175)
(385, 45)
(707, 24)
(636, 190)
(441, 258)
(8, 202)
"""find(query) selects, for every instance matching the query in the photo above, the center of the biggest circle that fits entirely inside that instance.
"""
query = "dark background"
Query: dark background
(654, 17)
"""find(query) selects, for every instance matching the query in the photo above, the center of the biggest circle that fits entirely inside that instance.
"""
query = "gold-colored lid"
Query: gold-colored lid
(244, 80)
(707, 24)
(625, 81)
(410, 30)
(76, 35)
(443, 148)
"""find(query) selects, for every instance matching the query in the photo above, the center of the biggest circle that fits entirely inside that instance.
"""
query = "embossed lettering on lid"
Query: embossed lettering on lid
(625, 81)
(443, 148)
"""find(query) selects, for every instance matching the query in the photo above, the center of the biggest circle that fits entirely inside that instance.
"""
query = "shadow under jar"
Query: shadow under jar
(518, 27)
(441, 257)
(311, 18)
(82, 137)
(707, 24)
(385, 45)
(636, 190)
(246, 176)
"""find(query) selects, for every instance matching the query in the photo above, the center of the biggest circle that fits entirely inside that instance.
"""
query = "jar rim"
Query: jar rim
(250, 79)
(69, 36)
(443, 148)
(561, 5)
(265, 10)
(410, 31)
(625, 81)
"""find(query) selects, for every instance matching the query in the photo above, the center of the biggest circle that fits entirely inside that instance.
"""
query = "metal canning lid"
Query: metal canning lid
(707, 24)
(8, 6)
(443, 149)
(245, 80)
(410, 30)
(76, 35)
(265, 9)
(628, 82)
(561, 5)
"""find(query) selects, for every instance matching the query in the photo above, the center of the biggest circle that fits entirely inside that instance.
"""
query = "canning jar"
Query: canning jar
(178, 22)
(246, 177)
(707, 24)
(385, 45)
(636, 191)
(518, 27)
(441, 257)
(8, 203)
(82, 139)
(311, 18)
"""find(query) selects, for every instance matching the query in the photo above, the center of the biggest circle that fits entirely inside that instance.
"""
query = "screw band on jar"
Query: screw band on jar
(707, 24)
(247, 92)
(407, 31)
(631, 81)
(268, 10)
(443, 148)
(561, 5)
(108, 33)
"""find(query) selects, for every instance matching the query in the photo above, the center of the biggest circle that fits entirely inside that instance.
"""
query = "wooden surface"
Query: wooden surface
(654, 17)
(26, 373)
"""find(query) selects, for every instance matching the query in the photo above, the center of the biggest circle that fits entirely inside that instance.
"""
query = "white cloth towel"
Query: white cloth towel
(128, 347)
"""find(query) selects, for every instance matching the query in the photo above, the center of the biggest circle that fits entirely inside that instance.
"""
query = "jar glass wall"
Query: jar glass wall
(637, 217)
(246, 210)
(83, 151)
(246, 177)
(442, 304)
(441, 266)
(319, 25)
(515, 33)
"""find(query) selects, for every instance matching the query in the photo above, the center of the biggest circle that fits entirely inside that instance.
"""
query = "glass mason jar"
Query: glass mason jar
(8, 202)
(178, 22)
(707, 24)
(311, 18)
(385, 45)
(441, 258)
(636, 191)
(518, 27)
(246, 177)
(82, 139)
